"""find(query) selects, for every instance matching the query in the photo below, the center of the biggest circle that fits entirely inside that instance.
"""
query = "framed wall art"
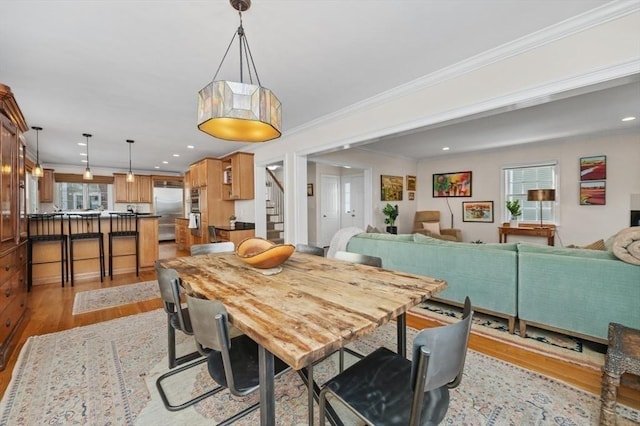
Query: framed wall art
(391, 188)
(412, 196)
(477, 211)
(309, 190)
(593, 168)
(457, 184)
(411, 183)
(593, 193)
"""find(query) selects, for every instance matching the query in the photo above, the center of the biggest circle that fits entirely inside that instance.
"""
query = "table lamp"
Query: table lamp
(541, 195)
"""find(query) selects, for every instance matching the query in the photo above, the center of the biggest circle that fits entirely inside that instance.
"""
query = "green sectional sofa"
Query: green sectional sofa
(576, 291)
(573, 291)
(487, 273)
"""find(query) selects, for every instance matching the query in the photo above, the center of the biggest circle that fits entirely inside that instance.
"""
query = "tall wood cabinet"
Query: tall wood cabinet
(13, 262)
(237, 177)
(45, 186)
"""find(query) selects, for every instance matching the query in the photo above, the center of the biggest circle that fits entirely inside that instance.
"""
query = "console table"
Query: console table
(547, 231)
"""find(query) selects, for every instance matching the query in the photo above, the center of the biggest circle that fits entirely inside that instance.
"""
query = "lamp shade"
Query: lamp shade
(541, 195)
(239, 112)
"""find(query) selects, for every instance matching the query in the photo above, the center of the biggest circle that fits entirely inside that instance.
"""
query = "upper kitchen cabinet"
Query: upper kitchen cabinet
(45, 186)
(138, 191)
(237, 177)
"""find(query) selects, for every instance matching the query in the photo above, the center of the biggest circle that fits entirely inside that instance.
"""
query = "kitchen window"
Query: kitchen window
(84, 196)
(519, 179)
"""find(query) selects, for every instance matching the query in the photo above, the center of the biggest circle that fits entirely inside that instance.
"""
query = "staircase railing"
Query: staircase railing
(275, 197)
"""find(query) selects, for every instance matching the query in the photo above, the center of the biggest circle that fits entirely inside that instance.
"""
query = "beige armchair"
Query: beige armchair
(427, 222)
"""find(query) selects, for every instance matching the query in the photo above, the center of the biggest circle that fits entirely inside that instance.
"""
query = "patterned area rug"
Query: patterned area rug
(93, 300)
(549, 343)
(105, 374)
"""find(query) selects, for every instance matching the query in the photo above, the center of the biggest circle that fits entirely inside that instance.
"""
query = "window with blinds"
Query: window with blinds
(518, 180)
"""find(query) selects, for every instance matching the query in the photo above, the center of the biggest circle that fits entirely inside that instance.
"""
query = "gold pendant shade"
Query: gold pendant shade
(239, 112)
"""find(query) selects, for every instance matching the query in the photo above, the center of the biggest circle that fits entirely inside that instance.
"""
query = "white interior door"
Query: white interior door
(329, 207)
(352, 201)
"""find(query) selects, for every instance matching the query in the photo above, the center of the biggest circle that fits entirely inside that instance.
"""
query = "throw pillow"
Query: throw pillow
(596, 245)
(373, 230)
(432, 227)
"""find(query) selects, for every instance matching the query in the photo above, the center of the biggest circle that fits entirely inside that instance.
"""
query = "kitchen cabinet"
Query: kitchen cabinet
(199, 173)
(45, 186)
(138, 191)
(182, 234)
(237, 177)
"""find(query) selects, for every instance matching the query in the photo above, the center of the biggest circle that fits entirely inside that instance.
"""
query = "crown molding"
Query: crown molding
(598, 16)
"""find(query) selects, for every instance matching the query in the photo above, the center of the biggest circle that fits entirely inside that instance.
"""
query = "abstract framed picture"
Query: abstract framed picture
(593, 168)
(477, 211)
(411, 183)
(391, 188)
(593, 193)
(457, 184)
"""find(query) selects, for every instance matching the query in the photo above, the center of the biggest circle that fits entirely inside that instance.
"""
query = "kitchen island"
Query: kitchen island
(45, 273)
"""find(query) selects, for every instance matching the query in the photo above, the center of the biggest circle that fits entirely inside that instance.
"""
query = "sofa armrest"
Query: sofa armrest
(452, 232)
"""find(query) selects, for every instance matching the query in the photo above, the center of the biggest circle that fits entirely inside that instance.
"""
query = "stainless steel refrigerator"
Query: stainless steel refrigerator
(168, 203)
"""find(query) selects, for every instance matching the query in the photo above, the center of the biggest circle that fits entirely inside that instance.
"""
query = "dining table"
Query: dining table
(304, 310)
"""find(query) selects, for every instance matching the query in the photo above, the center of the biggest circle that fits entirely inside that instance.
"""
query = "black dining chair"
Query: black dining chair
(232, 361)
(362, 259)
(207, 248)
(178, 318)
(309, 249)
(385, 388)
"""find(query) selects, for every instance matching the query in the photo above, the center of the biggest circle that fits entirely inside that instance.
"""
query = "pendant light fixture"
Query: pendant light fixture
(130, 176)
(87, 172)
(37, 168)
(239, 111)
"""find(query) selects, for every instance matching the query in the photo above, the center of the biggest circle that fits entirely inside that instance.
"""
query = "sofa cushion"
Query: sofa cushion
(423, 239)
(387, 237)
(563, 251)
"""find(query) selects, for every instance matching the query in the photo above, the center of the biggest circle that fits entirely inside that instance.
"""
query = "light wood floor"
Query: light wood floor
(50, 311)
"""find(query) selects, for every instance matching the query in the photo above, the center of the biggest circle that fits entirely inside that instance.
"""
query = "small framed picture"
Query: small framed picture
(391, 188)
(411, 183)
(593, 193)
(593, 168)
(477, 211)
(456, 184)
(309, 190)
(412, 196)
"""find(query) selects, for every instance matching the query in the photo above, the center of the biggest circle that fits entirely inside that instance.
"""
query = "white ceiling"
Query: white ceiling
(132, 69)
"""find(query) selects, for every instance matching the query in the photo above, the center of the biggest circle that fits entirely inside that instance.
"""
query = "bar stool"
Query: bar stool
(123, 225)
(46, 228)
(83, 227)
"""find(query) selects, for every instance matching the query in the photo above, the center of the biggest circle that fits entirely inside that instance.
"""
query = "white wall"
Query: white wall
(578, 224)
(588, 52)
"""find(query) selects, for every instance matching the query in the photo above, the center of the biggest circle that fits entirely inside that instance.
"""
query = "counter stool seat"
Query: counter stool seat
(46, 228)
(82, 227)
(123, 225)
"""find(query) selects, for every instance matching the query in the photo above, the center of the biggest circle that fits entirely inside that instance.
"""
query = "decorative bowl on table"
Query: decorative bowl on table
(263, 254)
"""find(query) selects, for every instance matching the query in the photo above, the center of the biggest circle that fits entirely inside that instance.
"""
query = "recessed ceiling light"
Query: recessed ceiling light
(347, 146)
(190, 146)
(176, 155)
(446, 148)
(83, 161)
(156, 167)
(165, 162)
(347, 167)
(84, 154)
(82, 144)
(630, 118)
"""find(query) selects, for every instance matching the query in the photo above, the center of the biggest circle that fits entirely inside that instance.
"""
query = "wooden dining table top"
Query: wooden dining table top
(311, 308)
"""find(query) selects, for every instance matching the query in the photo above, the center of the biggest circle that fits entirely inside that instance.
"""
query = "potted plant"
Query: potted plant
(232, 221)
(391, 213)
(516, 210)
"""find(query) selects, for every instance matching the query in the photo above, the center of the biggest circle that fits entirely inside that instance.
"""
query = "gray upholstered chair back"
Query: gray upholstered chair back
(445, 348)
(223, 247)
(170, 291)
(362, 259)
(305, 248)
